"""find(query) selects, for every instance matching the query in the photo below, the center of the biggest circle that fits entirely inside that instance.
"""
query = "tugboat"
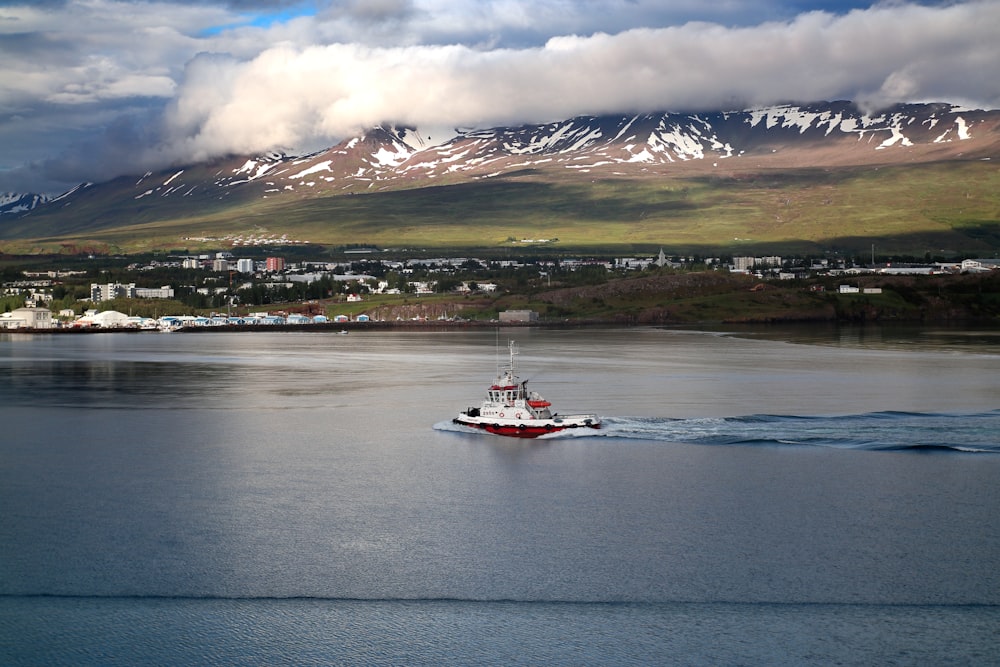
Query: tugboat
(510, 409)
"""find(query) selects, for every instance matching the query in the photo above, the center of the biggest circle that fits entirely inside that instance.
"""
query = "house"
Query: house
(26, 318)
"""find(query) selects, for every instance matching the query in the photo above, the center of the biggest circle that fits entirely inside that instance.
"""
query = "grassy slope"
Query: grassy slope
(940, 208)
(664, 297)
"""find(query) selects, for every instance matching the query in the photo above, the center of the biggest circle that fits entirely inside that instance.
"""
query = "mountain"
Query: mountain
(12, 203)
(782, 137)
(580, 150)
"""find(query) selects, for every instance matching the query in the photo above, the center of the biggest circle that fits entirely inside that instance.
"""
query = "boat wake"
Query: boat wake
(877, 431)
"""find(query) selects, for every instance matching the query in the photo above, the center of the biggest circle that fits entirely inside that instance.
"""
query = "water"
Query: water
(777, 497)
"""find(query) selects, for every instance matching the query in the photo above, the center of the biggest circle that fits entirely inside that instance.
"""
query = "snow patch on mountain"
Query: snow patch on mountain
(963, 129)
(12, 203)
(316, 168)
(255, 168)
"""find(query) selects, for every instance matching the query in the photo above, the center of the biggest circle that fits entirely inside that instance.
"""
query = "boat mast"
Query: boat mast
(513, 351)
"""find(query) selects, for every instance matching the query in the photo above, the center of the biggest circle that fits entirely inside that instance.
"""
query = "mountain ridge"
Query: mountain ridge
(643, 146)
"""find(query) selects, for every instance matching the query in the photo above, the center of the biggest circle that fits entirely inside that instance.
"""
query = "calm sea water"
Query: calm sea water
(773, 496)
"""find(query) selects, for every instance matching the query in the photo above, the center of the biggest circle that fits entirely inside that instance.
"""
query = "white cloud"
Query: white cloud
(289, 95)
(86, 52)
(170, 78)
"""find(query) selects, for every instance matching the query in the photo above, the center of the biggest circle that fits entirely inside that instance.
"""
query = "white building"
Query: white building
(165, 292)
(27, 318)
(979, 265)
(244, 265)
(747, 263)
(111, 291)
(107, 319)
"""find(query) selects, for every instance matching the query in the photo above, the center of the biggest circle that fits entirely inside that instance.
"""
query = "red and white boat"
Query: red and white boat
(510, 409)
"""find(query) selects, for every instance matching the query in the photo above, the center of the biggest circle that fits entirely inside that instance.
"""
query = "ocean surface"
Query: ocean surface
(757, 496)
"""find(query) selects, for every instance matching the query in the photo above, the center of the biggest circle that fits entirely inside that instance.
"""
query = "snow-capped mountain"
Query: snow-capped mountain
(14, 203)
(818, 135)
(647, 145)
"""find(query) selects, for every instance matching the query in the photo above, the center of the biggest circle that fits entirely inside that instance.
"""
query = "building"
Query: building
(111, 291)
(26, 318)
(979, 265)
(244, 265)
(747, 263)
(107, 319)
(165, 292)
(274, 264)
(518, 316)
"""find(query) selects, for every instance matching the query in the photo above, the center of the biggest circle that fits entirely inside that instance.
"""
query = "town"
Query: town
(217, 289)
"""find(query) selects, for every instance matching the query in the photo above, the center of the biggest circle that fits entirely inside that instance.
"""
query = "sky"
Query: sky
(93, 89)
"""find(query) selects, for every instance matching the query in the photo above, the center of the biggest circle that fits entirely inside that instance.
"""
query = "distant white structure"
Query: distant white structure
(165, 292)
(747, 263)
(109, 291)
(106, 319)
(979, 265)
(518, 316)
(26, 318)
(244, 265)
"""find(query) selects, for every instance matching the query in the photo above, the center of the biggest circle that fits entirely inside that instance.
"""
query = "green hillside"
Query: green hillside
(940, 208)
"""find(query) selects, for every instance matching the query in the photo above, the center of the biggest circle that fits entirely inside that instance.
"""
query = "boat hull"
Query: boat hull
(529, 428)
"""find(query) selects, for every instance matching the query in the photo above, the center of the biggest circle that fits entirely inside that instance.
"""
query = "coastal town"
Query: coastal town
(245, 292)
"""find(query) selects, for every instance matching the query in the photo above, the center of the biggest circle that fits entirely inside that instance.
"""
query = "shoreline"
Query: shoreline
(354, 327)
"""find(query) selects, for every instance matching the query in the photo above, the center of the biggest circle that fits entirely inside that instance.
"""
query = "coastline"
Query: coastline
(359, 327)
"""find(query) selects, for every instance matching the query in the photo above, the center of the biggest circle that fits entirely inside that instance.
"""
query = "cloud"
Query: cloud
(94, 87)
(290, 95)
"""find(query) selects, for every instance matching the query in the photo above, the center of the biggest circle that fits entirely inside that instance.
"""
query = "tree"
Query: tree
(445, 285)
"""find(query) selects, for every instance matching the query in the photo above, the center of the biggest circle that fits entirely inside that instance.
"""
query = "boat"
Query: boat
(510, 409)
